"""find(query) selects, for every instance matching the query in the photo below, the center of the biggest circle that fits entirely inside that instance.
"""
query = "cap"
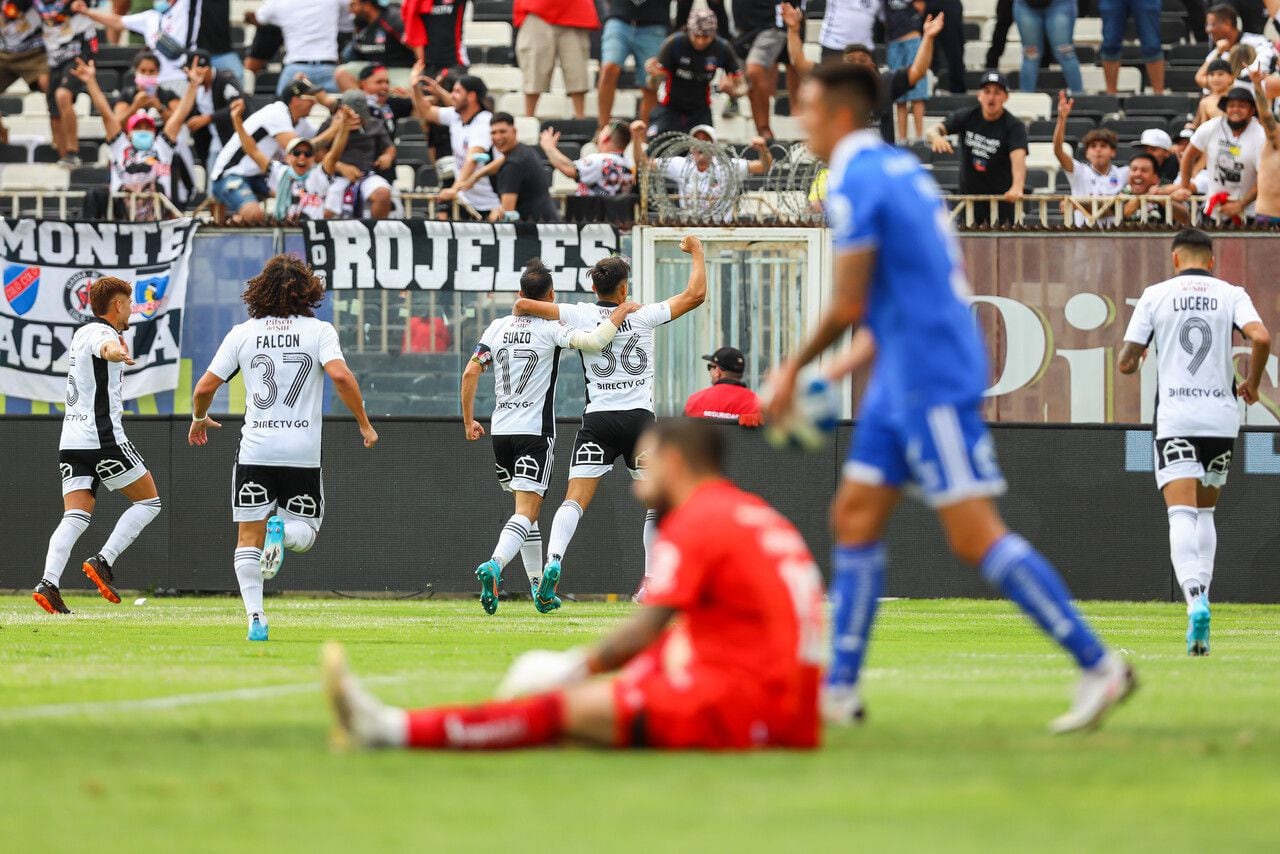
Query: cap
(371, 69)
(198, 56)
(728, 359)
(358, 102)
(138, 118)
(299, 140)
(707, 129)
(1237, 93)
(300, 88)
(1186, 133)
(1155, 138)
(994, 77)
(702, 23)
(1218, 65)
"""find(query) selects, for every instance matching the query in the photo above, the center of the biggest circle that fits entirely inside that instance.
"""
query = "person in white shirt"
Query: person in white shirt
(310, 32)
(702, 177)
(471, 138)
(847, 22)
(1191, 319)
(1222, 25)
(1098, 174)
(1232, 143)
(94, 449)
(164, 28)
(606, 172)
(283, 352)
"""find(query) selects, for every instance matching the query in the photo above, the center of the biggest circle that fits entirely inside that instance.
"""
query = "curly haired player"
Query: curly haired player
(278, 495)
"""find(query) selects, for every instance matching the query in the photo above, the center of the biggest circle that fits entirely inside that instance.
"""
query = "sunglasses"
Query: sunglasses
(712, 366)
(303, 152)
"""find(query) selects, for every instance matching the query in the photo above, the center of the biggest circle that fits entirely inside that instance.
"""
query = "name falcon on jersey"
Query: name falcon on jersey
(267, 342)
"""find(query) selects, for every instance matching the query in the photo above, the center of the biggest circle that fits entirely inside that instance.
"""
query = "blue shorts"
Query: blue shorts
(900, 55)
(621, 39)
(942, 453)
(236, 191)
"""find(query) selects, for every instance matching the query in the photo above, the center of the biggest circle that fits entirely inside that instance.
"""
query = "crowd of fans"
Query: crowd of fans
(366, 86)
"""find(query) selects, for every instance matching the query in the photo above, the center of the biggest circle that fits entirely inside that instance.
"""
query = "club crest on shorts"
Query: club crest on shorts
(528, 468)
(252, 494)
(21, 283)
(589, 454)
(65, 468)
(110, 468)
(303, 505)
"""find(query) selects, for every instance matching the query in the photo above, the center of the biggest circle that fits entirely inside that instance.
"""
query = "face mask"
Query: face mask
(146, 83)
(296, 175)
(162, 6)
(142, 140)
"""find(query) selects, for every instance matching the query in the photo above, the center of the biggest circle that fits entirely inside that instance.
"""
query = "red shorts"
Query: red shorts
(709, 710)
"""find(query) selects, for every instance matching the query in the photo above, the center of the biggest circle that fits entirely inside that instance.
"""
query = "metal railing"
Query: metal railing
(1097, 212)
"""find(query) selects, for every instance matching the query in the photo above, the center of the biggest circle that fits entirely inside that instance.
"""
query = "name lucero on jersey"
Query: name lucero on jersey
(1195, 303)
(277, 342)
(280, 425)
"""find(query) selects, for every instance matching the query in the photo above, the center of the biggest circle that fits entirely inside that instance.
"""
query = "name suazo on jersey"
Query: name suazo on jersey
(1190, 320)
(619, 377)
(282, 359)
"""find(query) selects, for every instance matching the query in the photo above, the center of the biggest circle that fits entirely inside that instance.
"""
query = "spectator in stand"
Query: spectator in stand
(22, 55)
(904, 25)
(952, 39)
(1055, 20)
(1144, 180)
(166, 33)
(143, 91)
(519, 176)
(470, 137)
(728, 398)
(1098, 175)
(375, 83)
(266, 44)
(1232, 143)
(298, 186)
(634, 29)
(554, 31)
(1156, 143)
(358, 190)
(1222, 25)
(141, 160)
(235, 180)
(762, 37)
(846, 22)
(684, 8)
(1146, 18)
(606, 172)
(210, 125)
(892, 84)
(310, 33)
(1218, 78)
(700, 177)
(214, 37)
(683, 71)
(376, 41)
(68, 37)
(433, 30)
(993, 148)
(1268, 189)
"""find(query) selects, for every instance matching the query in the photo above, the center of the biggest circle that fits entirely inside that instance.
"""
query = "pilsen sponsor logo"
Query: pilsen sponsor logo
(430, 255)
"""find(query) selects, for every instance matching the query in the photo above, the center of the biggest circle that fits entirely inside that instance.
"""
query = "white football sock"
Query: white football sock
(1207, 534)
(1184, 550)
(511, 538)
(298, 536)
(531, 554)
(250, 577)
(650, 534)
(562, 529)
(73, 524)
(131, 523)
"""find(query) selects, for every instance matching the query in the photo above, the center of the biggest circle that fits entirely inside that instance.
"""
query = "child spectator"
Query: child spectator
(1097, 175)
(68, 37)
(904, 25)
(607, 172)
(1219, 78)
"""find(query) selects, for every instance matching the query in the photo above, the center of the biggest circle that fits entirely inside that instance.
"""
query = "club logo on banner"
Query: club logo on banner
(49, 268)
(456, 256)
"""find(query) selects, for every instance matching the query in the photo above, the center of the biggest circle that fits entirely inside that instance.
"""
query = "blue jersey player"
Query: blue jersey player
(898, 271)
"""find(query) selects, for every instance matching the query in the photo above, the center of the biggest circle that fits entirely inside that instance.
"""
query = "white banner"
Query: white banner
(48, 267)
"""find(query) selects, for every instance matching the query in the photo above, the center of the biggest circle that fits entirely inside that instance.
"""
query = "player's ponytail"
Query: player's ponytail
(535, 281)
(608, 274)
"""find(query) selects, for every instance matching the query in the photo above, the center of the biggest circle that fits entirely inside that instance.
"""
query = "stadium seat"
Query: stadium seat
(34, 104)
(490, 10)
(1129, 129)
(485, 33)
(34, 176)
(1088, 31)
(427, 178)
(573, 130)
(1181, 79)
(787, 128)
(1092, 105)
(33, 127)
(497, 54)
(625, 104)
(1030, 105)
(405, 178)
(1041, 130)
(10, 105)
(1167, 105)
(1040, 156)
(44, 154)
(943, 104)
(499, 78)
(1130, 79)
(1187, 54)
(562, 184)
(550, 104)
(415, 153)
(527, 129)
(83, 177)
(10, 153)
(948, 176)
(409, 130)
(979, 10)
(265, 83)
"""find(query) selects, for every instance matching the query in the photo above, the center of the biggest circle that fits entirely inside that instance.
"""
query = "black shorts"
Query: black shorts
(85, 468)
(267, 41)
(665, 120)
(60, 78)
(260, 490)
(605, 436)
(523, 463)
(1203, 458)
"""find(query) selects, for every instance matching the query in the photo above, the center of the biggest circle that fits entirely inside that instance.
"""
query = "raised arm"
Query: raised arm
(548, 140)
(762, 165)
(110, 20)
(1263, 105)
(638, 156)
(247, 142)
(924, 54)
(1260, 341)
(344, 383)
(695, 292)
(1066, 161)
(342, 121)
(177, 118)
(793, 17)
(87, 74)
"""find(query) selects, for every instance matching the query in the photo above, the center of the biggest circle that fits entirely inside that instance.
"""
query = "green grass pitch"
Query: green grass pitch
(955, 756)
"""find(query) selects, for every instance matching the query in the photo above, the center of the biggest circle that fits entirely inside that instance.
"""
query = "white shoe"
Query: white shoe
(360, 719)
(1099, 690)
(841, 705)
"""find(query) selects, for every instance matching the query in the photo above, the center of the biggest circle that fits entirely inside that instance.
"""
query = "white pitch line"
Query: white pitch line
(173, 701)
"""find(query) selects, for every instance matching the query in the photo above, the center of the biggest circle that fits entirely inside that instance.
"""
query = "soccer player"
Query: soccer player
(1190, 319)
(724, 656)
(283, 352)
(619, 393)
(94, 448)
(525, 353)
(897, 265)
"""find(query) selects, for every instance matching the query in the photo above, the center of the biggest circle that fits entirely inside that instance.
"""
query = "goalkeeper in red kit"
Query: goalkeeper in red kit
(724, 654)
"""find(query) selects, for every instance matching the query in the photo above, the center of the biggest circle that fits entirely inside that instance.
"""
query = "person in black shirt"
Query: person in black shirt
(358, 184)
(433, 30)
(635, 28)
(993, 148)
(214, 36)
(386, 108)
(210, 123)
(893, 84)
(683, 72)
(377, 40)
(523, 181)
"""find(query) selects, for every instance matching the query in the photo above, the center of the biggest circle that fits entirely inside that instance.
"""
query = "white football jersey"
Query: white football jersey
(283, 361)
(1189, 320)
(94, 385)
(525, 355)
(619, 377)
